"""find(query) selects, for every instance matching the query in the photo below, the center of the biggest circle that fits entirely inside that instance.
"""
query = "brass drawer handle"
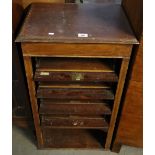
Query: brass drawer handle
(44, 73)
(80, 123)
(75, 123)
(77, 76)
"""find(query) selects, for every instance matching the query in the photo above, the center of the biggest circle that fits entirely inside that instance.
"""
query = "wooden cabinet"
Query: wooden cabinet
(76, 59)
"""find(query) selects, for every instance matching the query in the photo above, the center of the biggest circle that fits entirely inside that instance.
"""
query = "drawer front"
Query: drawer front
(72, 50)
(75, 76)
(73, 122)
(76, 93)
(75, 108)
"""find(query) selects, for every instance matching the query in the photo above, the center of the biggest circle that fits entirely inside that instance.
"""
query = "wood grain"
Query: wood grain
(75, 85)
(76, 50)
(75, 93)
(137, 63)
(75, 69)
(95, 20)
(75, 107)
(67, 76)
(109, 36)
(17, 13)
(83, 122)
(119, 90)
(28, 2)
(131, 117)
(34, 105)
(134, 12)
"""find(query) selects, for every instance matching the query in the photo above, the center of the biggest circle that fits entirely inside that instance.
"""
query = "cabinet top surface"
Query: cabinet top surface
(76, 23)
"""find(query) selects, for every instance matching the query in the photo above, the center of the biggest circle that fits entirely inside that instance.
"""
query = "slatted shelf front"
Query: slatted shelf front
(74, 107)
(75, 69)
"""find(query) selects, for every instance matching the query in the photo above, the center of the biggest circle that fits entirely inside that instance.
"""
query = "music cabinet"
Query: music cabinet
(76, 57)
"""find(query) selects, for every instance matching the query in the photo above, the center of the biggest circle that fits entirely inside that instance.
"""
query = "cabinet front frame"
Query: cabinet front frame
(31, 50)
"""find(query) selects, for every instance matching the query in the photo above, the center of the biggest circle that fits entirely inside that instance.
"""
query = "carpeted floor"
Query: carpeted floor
(24, 144)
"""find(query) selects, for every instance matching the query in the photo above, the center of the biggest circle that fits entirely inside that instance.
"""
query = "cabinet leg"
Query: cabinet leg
(33, 99)
(119, 90)
(116, 147)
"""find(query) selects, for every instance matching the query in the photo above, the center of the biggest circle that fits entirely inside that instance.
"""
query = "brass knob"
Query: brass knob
(77, 76)
(75, 123)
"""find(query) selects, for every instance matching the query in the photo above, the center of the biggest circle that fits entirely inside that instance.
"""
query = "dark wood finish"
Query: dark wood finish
(111, 37)
(77, 138)
(134, 11)
(137, 69)
(80, 85)
(17, 13)
(26, 3)
(74, 122)
(75, 76)
(75, 107)
(70, 1)
(63, 69)
(76, 50)
(132, 115)
(21, 111)
(75, 64)
(23, 122)
(75, 93)
(73, 19)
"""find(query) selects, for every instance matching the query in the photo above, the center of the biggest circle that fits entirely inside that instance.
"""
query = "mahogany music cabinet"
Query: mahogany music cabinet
(76, 57)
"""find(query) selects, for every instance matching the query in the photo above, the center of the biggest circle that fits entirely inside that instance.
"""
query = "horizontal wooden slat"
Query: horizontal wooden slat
(75, 69)
(74, 122)
(74, 85)
(75, 93)
(76, 76)
(74, 107)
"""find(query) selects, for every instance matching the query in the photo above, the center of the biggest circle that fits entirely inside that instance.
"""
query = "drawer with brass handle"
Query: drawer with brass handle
(75, 69)
(75, 76)
(73, 122)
